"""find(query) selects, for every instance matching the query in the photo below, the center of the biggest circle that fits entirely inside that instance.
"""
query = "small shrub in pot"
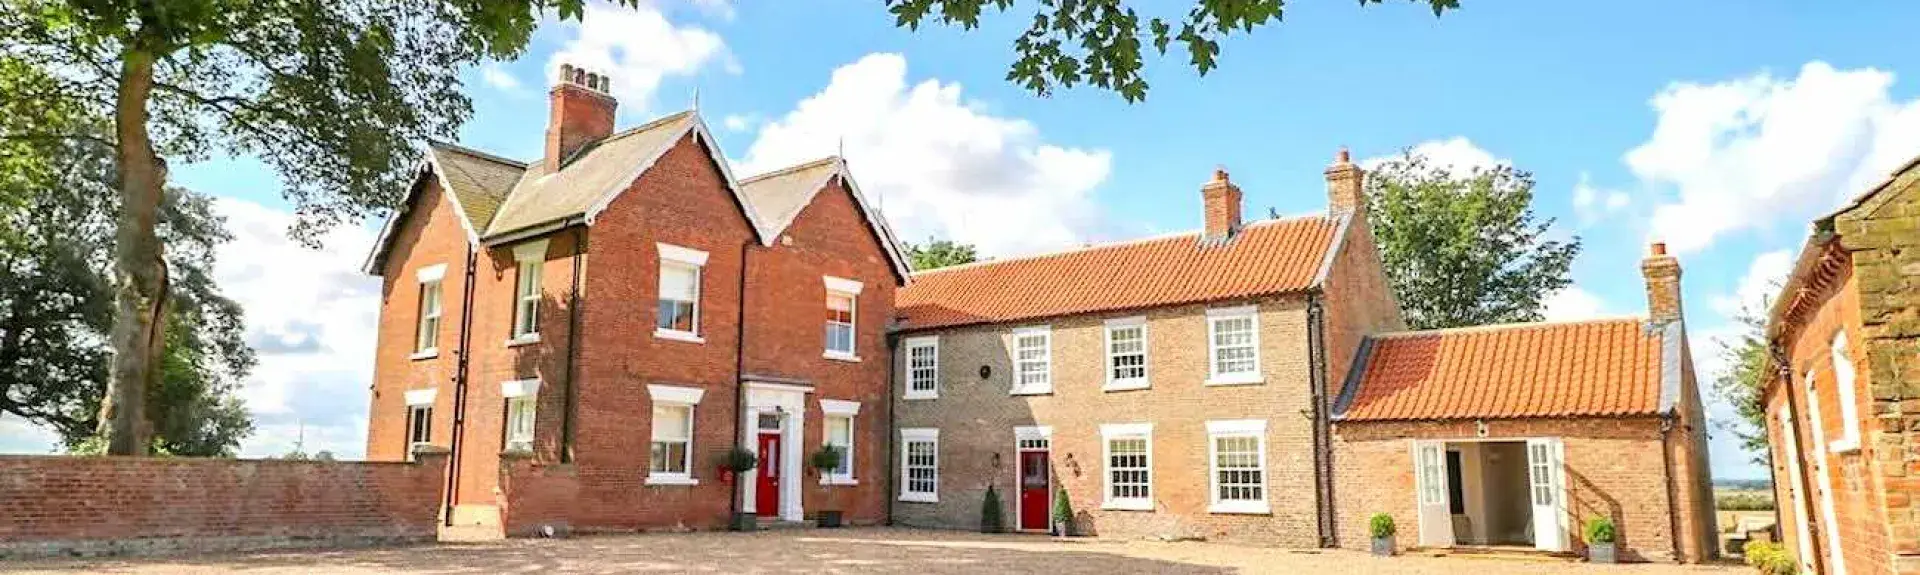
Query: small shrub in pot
(1382, 528)
(1600, 535)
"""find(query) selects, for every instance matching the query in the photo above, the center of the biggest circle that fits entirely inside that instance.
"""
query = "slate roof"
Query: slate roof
(1264, 258)
(479, 181)
(589, 177)
(1604, 368)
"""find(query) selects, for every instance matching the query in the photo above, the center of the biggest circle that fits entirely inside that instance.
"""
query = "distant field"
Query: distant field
(1743, 499)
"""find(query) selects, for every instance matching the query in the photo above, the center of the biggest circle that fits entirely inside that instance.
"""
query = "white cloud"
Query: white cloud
(1751, 152)
(1458, 155)
(1572, 304)
(312, 317)
(941, 165)
(493, 74)
(1761, 283)
(1591, 203)
(722, 9)
(638, 47)
(740, 122)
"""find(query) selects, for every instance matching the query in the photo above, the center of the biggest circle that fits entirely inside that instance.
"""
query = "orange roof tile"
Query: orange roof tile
(1608, 367)
(1267, 257)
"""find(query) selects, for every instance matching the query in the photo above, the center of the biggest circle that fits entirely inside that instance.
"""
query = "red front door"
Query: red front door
(766, 493)
(1036, 493)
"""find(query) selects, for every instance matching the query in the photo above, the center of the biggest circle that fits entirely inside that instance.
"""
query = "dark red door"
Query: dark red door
(766, 493)
(1036, 493)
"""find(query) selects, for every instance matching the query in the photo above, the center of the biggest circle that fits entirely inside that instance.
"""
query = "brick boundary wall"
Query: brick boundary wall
(92, 506)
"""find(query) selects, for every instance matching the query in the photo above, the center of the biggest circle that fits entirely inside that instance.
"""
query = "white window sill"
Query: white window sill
(678, 336)
(1240, 508)
(1127, 505)
(919, 498)
(833, 480)
(1845, 445)
(1126, 385)
(920, 396)
(1248, 379)
(838, 356)
(1038, 391)
(671, 480)
(429, 353)
(527, 339)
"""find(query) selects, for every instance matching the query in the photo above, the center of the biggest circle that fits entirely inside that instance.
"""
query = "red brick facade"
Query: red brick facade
(59, 506)
(760, 307)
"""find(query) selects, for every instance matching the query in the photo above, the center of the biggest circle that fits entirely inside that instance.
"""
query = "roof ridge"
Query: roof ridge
(589, 147)
(1108, 245)
(1513, 326)
(478, 153)
(789, 169)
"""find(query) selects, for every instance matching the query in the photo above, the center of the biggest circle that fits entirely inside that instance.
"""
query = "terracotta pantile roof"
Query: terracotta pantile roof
(1268, 257)
(1613, 367)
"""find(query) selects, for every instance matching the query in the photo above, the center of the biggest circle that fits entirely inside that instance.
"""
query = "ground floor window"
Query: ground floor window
(920, 465)
(520, 424)
(419, 427)
(1129, 457)
(670, 460)
(1239, 454)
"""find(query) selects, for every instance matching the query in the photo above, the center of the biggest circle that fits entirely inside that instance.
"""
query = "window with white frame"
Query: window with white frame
(1126, 353)
(1239, 474)
(678, 315)
(920, 465)
(1843, 382)
(1129, 458)
(530, 257)
(1431, 470)
(670, 461)
(923, 367)
(1032, 360)
(419, 418)
(840, 421)
(1233, 344)
(520, 397)
(426, 340)
(843, 297)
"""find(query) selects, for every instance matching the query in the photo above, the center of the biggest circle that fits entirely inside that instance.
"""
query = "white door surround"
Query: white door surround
(789, 403)
(1546, 490)
(1798, 488)
(1030, 438)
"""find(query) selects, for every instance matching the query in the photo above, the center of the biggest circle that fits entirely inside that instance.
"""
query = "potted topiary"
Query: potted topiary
(735, 463)
(825, 461)
(1062, 513)
(990, 520)
(1599, 533)
(1381, 526)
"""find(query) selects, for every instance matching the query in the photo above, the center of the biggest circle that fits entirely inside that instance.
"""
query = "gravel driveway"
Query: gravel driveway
(869, 550)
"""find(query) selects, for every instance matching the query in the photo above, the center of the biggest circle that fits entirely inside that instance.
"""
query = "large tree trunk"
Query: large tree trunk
(140, 273)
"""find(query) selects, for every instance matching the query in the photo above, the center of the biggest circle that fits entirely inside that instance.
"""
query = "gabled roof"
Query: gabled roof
(1814, 270)
(1596, 368)
(1264, 258)
(780, 195)
(475, 182)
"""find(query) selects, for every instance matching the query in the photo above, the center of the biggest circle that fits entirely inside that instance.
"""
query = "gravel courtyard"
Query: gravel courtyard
(874, 550)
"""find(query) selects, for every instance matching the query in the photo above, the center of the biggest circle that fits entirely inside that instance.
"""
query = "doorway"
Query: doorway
(1033, 505)
(767, 478)
(1500, 493)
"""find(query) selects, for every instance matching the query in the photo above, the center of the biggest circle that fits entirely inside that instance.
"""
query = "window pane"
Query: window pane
(1128, 475)
(669, 457)
(678, 282)
(840, 434)
(671, 423)
(922, 467)
(922, 367)
(1238, 473)
(1127, 352)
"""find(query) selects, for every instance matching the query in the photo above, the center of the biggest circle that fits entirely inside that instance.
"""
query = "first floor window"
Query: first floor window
(520, 423)
(1234, 344)
(427, 336)
(923, 367)
(526, 309)
(1239, 466)
(419, 427)
(679, 298)
(920, 465)
(1033, 360)
(1127, 353)
(1129, 456)
(840, 324)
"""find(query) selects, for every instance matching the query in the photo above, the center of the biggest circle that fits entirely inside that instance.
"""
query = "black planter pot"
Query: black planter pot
(745, 522)
(827, 519)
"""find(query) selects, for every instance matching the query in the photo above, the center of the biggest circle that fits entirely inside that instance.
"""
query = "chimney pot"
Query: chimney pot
(1341, 157)
(1659, 248)
(566, 72)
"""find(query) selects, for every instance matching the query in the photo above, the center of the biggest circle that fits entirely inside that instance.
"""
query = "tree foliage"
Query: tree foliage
(56, 306)
(334, 95)
(1742, 381)
(939, 254)
(1099, 42)
(1464, 249)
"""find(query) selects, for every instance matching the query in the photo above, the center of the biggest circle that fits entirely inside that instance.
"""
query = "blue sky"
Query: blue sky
(1720, 129)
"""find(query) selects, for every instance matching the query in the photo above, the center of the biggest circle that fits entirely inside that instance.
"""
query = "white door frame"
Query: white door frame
(1023, 433)
(790, 402)
(1430, 493)
(1552, 534)
(1823, 477)
(1790, 433)
(1432, 530)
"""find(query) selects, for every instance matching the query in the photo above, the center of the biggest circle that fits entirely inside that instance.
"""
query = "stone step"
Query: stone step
(783, 524)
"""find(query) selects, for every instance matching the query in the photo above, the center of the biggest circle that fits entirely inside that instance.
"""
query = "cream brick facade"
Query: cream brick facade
(977, 415)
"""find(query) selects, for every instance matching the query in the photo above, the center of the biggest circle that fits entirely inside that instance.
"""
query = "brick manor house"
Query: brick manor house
(589, 332)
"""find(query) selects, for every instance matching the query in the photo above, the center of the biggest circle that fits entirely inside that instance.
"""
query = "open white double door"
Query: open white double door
(1546, 491)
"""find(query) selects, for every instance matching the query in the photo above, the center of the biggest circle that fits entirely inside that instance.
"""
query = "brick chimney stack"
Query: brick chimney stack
(1663, 285)
(1222, 206)
(582, 113)
(1346, 185)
